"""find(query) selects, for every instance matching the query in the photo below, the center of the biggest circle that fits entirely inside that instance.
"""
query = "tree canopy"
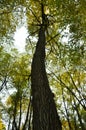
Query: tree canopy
(65, 60)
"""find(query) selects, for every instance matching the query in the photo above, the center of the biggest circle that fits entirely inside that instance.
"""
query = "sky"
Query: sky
(22, 33)
(20, 38)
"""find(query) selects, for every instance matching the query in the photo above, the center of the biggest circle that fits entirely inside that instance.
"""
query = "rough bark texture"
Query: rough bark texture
(45, 115)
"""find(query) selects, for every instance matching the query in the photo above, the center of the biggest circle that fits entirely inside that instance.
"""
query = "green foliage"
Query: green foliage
(65, 60)
(2, 126)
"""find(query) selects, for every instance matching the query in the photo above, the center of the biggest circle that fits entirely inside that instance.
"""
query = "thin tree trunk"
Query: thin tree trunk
(67, 114)
(14, 124)
(19, 125)
(27, 115)
(45, 115)
(79, 117)
(9, 124)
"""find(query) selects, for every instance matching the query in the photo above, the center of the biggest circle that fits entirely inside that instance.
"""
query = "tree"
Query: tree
(17, 106)
(45, 116)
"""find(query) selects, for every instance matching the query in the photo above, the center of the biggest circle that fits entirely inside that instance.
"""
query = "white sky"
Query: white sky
(20, 38)
(21, 35)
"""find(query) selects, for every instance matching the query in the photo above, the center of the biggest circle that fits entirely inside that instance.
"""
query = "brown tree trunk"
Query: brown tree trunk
(45, 115)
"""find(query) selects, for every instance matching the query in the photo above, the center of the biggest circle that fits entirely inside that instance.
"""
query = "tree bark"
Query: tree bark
(45, 115)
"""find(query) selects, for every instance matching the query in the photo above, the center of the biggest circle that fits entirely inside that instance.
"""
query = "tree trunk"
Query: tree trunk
(45, 115)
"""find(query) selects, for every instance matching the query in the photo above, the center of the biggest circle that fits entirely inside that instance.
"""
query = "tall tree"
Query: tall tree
(45, 115)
